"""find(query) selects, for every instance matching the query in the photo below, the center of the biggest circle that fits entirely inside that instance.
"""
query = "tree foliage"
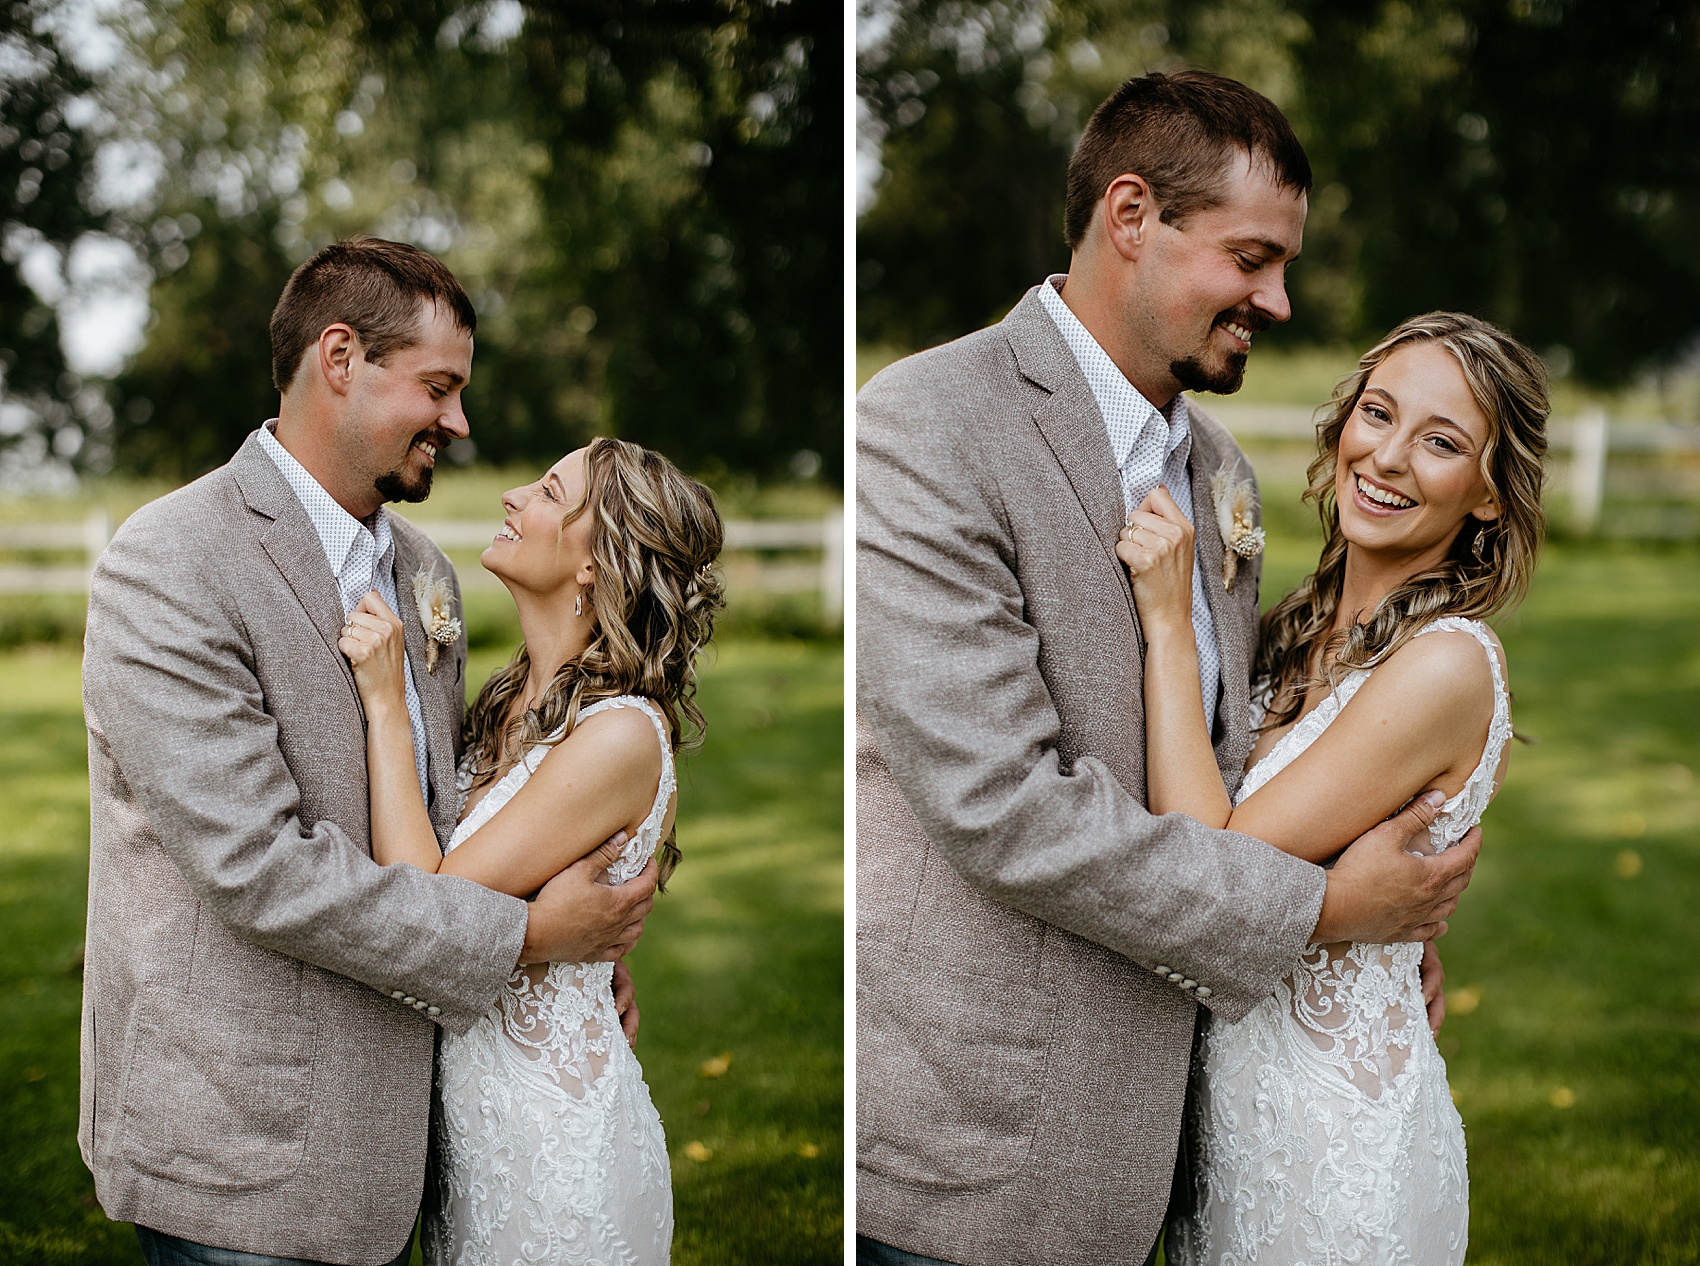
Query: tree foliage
(1532, 161)
(642, 199)
(45, 164)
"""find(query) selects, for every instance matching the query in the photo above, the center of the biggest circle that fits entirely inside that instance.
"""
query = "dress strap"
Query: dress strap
(1463, 810)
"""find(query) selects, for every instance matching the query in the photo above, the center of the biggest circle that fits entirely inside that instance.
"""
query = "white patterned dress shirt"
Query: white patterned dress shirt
(361, 555)
(1150, 448)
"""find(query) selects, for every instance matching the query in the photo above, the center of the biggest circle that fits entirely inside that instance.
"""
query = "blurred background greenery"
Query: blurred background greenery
(644, 199)
(1532, 161)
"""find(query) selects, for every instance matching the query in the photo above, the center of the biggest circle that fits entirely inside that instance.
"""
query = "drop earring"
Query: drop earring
(578, 603)
(1478, 547)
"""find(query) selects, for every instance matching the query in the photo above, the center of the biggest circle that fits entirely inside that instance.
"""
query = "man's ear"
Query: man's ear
(1129, 213)
(338, 351)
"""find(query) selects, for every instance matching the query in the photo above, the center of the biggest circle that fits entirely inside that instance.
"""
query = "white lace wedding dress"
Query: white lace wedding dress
(1321, 1128)
(546, 1147)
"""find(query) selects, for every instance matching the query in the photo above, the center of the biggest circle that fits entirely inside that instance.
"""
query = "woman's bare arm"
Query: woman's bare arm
(375, 646)
(599, 780)
(1181, 775)
(1420, 720)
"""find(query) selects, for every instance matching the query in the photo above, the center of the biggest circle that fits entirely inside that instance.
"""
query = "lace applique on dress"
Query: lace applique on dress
(1321, 1128)
(546, 1146)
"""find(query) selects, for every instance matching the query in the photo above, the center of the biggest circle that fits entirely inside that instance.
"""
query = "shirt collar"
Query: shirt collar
(1108, 383)
(337, 528)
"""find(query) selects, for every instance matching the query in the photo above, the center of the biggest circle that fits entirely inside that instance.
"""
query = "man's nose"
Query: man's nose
(453, 419)
(1271, 298)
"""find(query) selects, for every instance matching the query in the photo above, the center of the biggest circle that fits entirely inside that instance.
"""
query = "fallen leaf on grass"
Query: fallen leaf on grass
(698, 1151)
(715, 1067)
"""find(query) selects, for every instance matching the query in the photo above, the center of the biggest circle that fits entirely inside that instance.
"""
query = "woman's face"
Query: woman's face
(538, 548)
(1409, 468)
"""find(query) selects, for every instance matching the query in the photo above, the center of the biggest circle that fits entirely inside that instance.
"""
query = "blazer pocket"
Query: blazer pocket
(221, 1103)
(951, 1071)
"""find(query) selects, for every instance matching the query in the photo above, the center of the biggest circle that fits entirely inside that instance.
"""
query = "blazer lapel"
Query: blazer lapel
(1071, 423)
(436, 708)
(1234, 614)
(294, 546)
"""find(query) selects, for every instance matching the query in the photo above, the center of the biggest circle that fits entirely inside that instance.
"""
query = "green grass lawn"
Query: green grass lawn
(739, 974)
(1573, 1042)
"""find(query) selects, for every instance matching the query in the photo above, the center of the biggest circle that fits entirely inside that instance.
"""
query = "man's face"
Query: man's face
(403, 413)
(1213, 283)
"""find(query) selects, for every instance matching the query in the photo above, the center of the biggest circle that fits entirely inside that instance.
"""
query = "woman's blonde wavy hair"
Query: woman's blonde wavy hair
(1298, 648)
(656, 533)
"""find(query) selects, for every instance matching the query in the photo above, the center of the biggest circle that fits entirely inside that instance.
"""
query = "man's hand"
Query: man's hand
(1381, 894)
(576, 919)
(625, 1002)
(1434, 976)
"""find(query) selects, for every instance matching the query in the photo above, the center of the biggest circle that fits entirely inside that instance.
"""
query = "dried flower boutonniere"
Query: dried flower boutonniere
(1236, 503)
(435, 600)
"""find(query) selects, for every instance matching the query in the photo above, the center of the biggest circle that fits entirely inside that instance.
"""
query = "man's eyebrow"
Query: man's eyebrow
(455, 377)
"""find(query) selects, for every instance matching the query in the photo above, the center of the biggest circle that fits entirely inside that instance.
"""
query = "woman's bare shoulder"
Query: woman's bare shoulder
(1442, 675)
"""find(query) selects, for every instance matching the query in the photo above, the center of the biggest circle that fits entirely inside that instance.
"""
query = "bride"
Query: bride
(546, 1146)
(1322, 1129)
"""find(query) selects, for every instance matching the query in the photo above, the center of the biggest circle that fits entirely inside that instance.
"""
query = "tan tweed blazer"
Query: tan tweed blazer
(254, 1074)
(1030, 940)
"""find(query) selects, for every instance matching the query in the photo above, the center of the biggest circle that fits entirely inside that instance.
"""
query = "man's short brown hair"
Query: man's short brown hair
(374, 287)
(1179, 131)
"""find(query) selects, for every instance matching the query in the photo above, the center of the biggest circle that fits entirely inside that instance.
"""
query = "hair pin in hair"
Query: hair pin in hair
(434, 598)
(1236, 507)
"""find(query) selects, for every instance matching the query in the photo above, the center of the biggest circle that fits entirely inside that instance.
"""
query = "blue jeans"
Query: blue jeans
(873, 1253)
(167, 1250)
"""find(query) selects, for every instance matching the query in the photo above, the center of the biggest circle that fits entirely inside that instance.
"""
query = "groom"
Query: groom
(1032, 943)
(260, 998)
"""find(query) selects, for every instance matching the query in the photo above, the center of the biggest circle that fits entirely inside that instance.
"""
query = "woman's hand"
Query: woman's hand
(1157, 546)
(376, 646)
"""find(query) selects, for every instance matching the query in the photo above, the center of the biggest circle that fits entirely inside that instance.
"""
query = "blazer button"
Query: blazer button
(1160, 969)
(432, 1011)
(1189, 984)
(410, 1001)
(398, 995)
(1204, 991)
(419, 1004)
(1175, 978)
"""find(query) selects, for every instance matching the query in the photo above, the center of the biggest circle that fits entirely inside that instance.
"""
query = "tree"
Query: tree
(46, 158)
(642, 199)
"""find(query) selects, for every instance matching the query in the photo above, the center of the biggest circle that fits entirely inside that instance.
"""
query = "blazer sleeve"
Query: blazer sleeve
(172, 695)
(950, 687)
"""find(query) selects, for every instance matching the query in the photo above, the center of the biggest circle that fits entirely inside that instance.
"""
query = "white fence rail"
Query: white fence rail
(747, 561)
